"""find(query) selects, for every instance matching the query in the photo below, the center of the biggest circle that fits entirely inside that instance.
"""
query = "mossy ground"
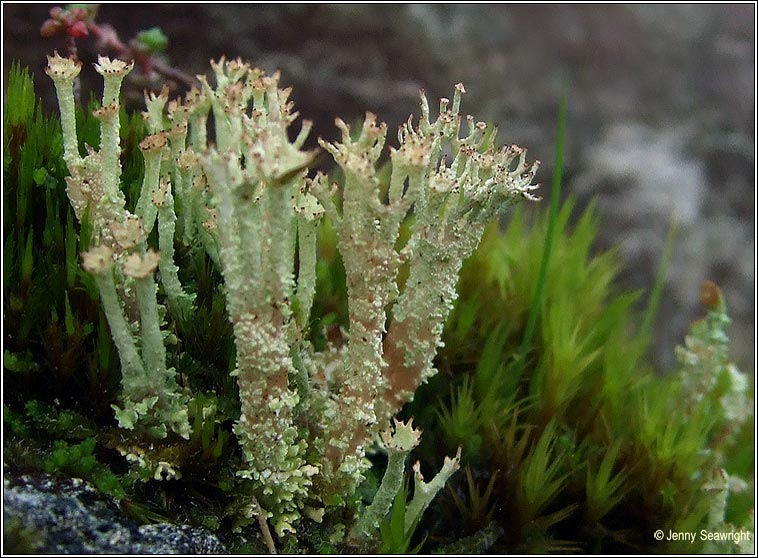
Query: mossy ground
(577, 447)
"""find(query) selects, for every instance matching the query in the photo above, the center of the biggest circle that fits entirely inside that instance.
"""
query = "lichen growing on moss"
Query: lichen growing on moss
(282, 317)
(249, 191)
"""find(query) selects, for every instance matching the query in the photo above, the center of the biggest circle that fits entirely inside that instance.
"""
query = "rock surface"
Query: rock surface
(46, 515)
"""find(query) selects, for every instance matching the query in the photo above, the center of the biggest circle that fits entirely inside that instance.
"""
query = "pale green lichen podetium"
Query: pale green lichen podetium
(367, 231)
(456, 202)
(705, 363)
(255, 176)
(399, 442)
(113, 72)
(119, 259)
(63, 72)
(162, 152)
(452, 202)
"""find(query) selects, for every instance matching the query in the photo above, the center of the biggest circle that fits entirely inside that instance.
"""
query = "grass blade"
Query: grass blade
(555, 196)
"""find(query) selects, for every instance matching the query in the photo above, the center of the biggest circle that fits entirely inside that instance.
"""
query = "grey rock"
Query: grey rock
(69, 516)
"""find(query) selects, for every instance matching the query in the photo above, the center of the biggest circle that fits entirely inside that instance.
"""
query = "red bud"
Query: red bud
(77, 30)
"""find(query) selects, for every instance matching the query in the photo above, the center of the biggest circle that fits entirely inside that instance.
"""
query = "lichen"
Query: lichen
(307, 417)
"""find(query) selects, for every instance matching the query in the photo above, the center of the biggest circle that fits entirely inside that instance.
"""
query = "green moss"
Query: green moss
(78, 461)
(19, 538)
(583, 448)
(49, 308)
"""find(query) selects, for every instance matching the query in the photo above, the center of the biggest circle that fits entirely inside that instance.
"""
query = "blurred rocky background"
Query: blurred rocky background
(661, 107)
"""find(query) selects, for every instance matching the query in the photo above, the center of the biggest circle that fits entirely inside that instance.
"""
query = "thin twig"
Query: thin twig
(78, 22)
(175, 73)
(260, 514)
